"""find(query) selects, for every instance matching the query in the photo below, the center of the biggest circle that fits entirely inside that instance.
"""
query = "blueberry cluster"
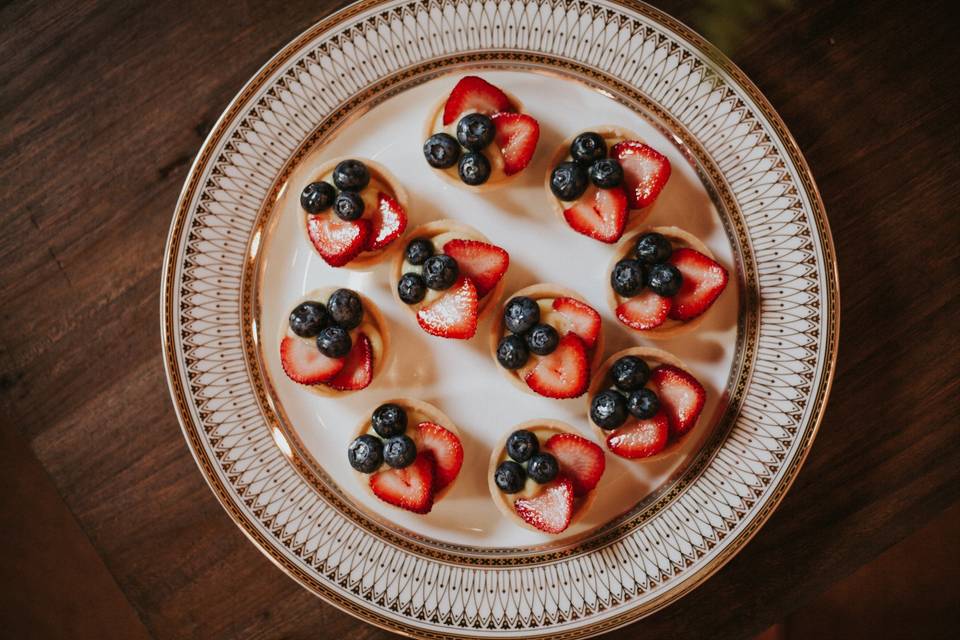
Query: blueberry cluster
(523, 447)
(521, 317)
(330, 324)
(350, 177)
(474, 132)
(367, 452)
(648, 267)
(610, 407)
(590, 163)
(439, 271)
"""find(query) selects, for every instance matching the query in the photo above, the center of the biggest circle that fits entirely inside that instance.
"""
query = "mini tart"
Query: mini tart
(374, 326)
(545, 293)
(444, 230)
(678, 238)
(417, 412)
(543, 429)
(654, 358)
(380, 180)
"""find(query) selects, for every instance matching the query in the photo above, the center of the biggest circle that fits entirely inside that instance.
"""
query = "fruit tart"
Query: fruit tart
(478, 136)
(334, 342)
(600, 178)
(545, 475)
(547, 340)
(353, 211)
(643, 401)
(662, 280)
(408, 454)
(447, 276)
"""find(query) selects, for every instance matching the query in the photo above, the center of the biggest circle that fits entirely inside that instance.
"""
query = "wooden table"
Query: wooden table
(102, 108)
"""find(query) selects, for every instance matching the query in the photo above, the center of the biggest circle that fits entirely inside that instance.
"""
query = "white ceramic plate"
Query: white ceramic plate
(360, 84)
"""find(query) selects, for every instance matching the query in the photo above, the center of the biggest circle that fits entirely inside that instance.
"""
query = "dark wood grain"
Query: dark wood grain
(102, 109)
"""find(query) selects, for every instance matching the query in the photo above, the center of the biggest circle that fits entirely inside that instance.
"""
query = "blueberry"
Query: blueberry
(441, 151)
(475, 131)
(389, 420)
(629, 373)
(440, 272)
(474, 169)
(627, 277)
(542, 339)
(345, 308)
(351, 175)
(308, 318)
(587, 148)
(399, 452)
(652, 248)
(348, 205)
(512, 352)
(411, 288)
(568, 181)
(520, 314)
(334, 342)
(522, 444)
(643, 404)
(542, 468)
(509, 476)
(608, 409)
(418, 251)
(606, 173)
(365, 453)
(317, 197)
(664, 279)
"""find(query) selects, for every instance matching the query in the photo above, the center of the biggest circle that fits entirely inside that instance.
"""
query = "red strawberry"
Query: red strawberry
(517, 136)
(410, 488)
(599, 213)
(337, 241)
(583, 319)
(565, 373)
(482, 262)
(551, 510)
(453, 314)
(580, 460)
(474, 94)
(681, 397)
(303, 362)
(446, 449)
(357, 370)
(645, 171)
(387, 222)
(703, 281)
(647, 310)
(640, 438)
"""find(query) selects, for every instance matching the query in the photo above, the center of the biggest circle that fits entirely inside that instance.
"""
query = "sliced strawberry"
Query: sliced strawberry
(446, 449)
(517, 136)
(410, 488)
(474, 94)
(580, 460)
(565, 373)
(337, 241)
(640, 438)
(582, 318)
(387, 222)
(646, 310)
(645, 171)
(681, 397)
(357, 370)
(703, 282)
(453, 314)
(482, 262)
(303, 362)
(599, 213)
(551, 510)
